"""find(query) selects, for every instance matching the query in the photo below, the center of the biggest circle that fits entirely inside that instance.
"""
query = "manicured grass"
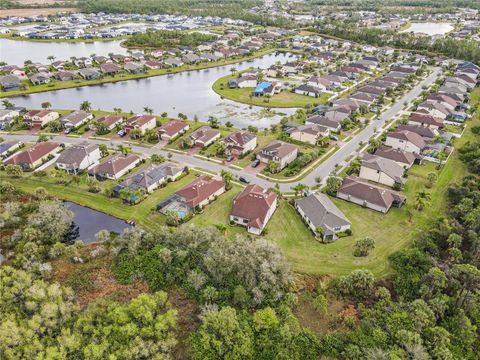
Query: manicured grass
(285, 99)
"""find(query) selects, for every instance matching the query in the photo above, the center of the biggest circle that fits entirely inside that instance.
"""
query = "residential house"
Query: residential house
(246, 81)
(34, 156)
(321, 215)
(320, 83)
(323, 121)
(204, 136)
(361, 192)
(110, 69)
(172, 129)
(141, 122)
(191, 58)
(153, 64)
(338, 113)
(10, 83)
(134, 68)
(9, 147)
(40, 79)
(36, 119)
(279, 152)
(115, 167)
(308, 90)
(7, 116)
(64, 75)
(309, 133)
(426, 121)
(381, 170)
(253, 207)
(267, 88)
(110, 121)
(89, 74)
(79, 157)
(403, 158)
(151, 177)
(173, 62)
(193, 197)
(435, 109)
(76, 119)
(406, 141)
(240, 142)
(425, 132)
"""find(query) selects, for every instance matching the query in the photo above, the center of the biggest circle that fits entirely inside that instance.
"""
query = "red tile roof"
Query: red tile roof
(253, 203)
(172, 127)
(32, 154)
(200, 189)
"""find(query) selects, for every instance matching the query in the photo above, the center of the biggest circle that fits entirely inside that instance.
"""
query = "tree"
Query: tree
(103, 149)
(227, 177)
(123, 149)
(151, 135)
(7, 104)
(85, 106)
(431, 179)
(300, 189)
(333, 184)
(46, 105)
(357, 285)
(157, 158)
(13, 170)
(273, 167)
(222, 335)
(51, 58)
(213, 121)
(422, 199)
(220, 148)
(148, 110)
(363, 246)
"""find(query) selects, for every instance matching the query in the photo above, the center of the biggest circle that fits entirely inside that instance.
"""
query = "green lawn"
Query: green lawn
(285, 99)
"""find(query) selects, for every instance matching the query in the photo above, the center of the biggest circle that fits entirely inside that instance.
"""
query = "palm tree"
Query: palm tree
(300, 188)
(220, 148)
(125, 150)
(86, 106)
(148, 110)
(422, 199)
(151, 134)
(51, 58)
(7, 104)
(117, 110)
(46, 105)
(227, 177)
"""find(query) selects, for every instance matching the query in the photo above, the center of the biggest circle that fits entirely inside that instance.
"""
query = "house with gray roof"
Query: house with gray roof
(76, 119)
(381, 170)
(78, 157)
(89, 74)
(319, 212)
(10, 82)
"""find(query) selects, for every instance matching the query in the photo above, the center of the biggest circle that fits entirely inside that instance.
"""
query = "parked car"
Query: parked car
(229, 158)
(244, 180)
(255, 163)
(121, 133)
(333, 137)
(67, 131)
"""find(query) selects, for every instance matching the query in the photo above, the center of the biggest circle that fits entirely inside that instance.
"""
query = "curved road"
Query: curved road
(322, 171)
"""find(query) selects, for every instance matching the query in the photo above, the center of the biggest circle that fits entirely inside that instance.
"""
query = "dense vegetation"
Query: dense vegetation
(376, 5)
(234, 9)
(165, 39)
(348, 30)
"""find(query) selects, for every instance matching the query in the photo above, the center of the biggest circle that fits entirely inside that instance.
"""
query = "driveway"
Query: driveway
(254, 170)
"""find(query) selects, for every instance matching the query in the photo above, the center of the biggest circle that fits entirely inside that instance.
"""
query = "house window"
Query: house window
(245, 221)
(336, 228)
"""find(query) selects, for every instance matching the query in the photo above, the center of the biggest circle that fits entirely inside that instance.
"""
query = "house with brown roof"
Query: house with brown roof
(79, 157)
(141, 122)
(381, 170)
(425, 120)
(193, 197)
(240, 142)
(361, 192)
(204, 136)
(406, 141)
(110, 69)
(172, 129)
(34, 156)
(110, 121)
(64, 75)
(279, 152)
(37, 119)
(403, 158)
(115, 167)
(253, 207)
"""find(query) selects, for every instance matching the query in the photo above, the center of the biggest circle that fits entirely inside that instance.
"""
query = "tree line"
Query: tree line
(166, 39)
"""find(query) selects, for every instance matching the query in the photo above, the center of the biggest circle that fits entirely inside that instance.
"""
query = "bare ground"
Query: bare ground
(33, 12)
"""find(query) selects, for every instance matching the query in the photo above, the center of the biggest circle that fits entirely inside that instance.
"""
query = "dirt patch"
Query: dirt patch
(33, 12)
(187, 320)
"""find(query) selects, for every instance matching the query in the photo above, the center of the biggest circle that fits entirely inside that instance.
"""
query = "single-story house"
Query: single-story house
(150, 178)
(9, 147)
(76, 119)
(172, 129)
(204, 136)
(309, 133)
(134, 68)
(40, 79)
(34, 156)
(246, 81)
(7, 116)
(403, 158)
(110, 121)
(319, 212)
(279, 152)
(194, 196)
(308, 90)
(381, 170)
(64, 75)
(361, 192)
(253, 207)
(115, 167)
(10, 82)
(321, 120)
(240, 142)
(89, 74)
(110, 69)
(79, 157)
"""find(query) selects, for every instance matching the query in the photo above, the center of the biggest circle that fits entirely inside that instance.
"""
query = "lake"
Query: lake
(15, 52)
(430, 28)
(90, 222)
(186, 92)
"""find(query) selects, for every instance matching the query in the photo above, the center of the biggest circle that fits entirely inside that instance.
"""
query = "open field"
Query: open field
(38, 11)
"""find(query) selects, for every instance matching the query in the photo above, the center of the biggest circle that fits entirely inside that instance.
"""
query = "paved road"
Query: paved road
(322, 171)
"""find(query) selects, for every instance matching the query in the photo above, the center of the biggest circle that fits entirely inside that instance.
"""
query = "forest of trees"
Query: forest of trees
(234, 9)
(460, 49)
(378, 5)
(166, 39)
